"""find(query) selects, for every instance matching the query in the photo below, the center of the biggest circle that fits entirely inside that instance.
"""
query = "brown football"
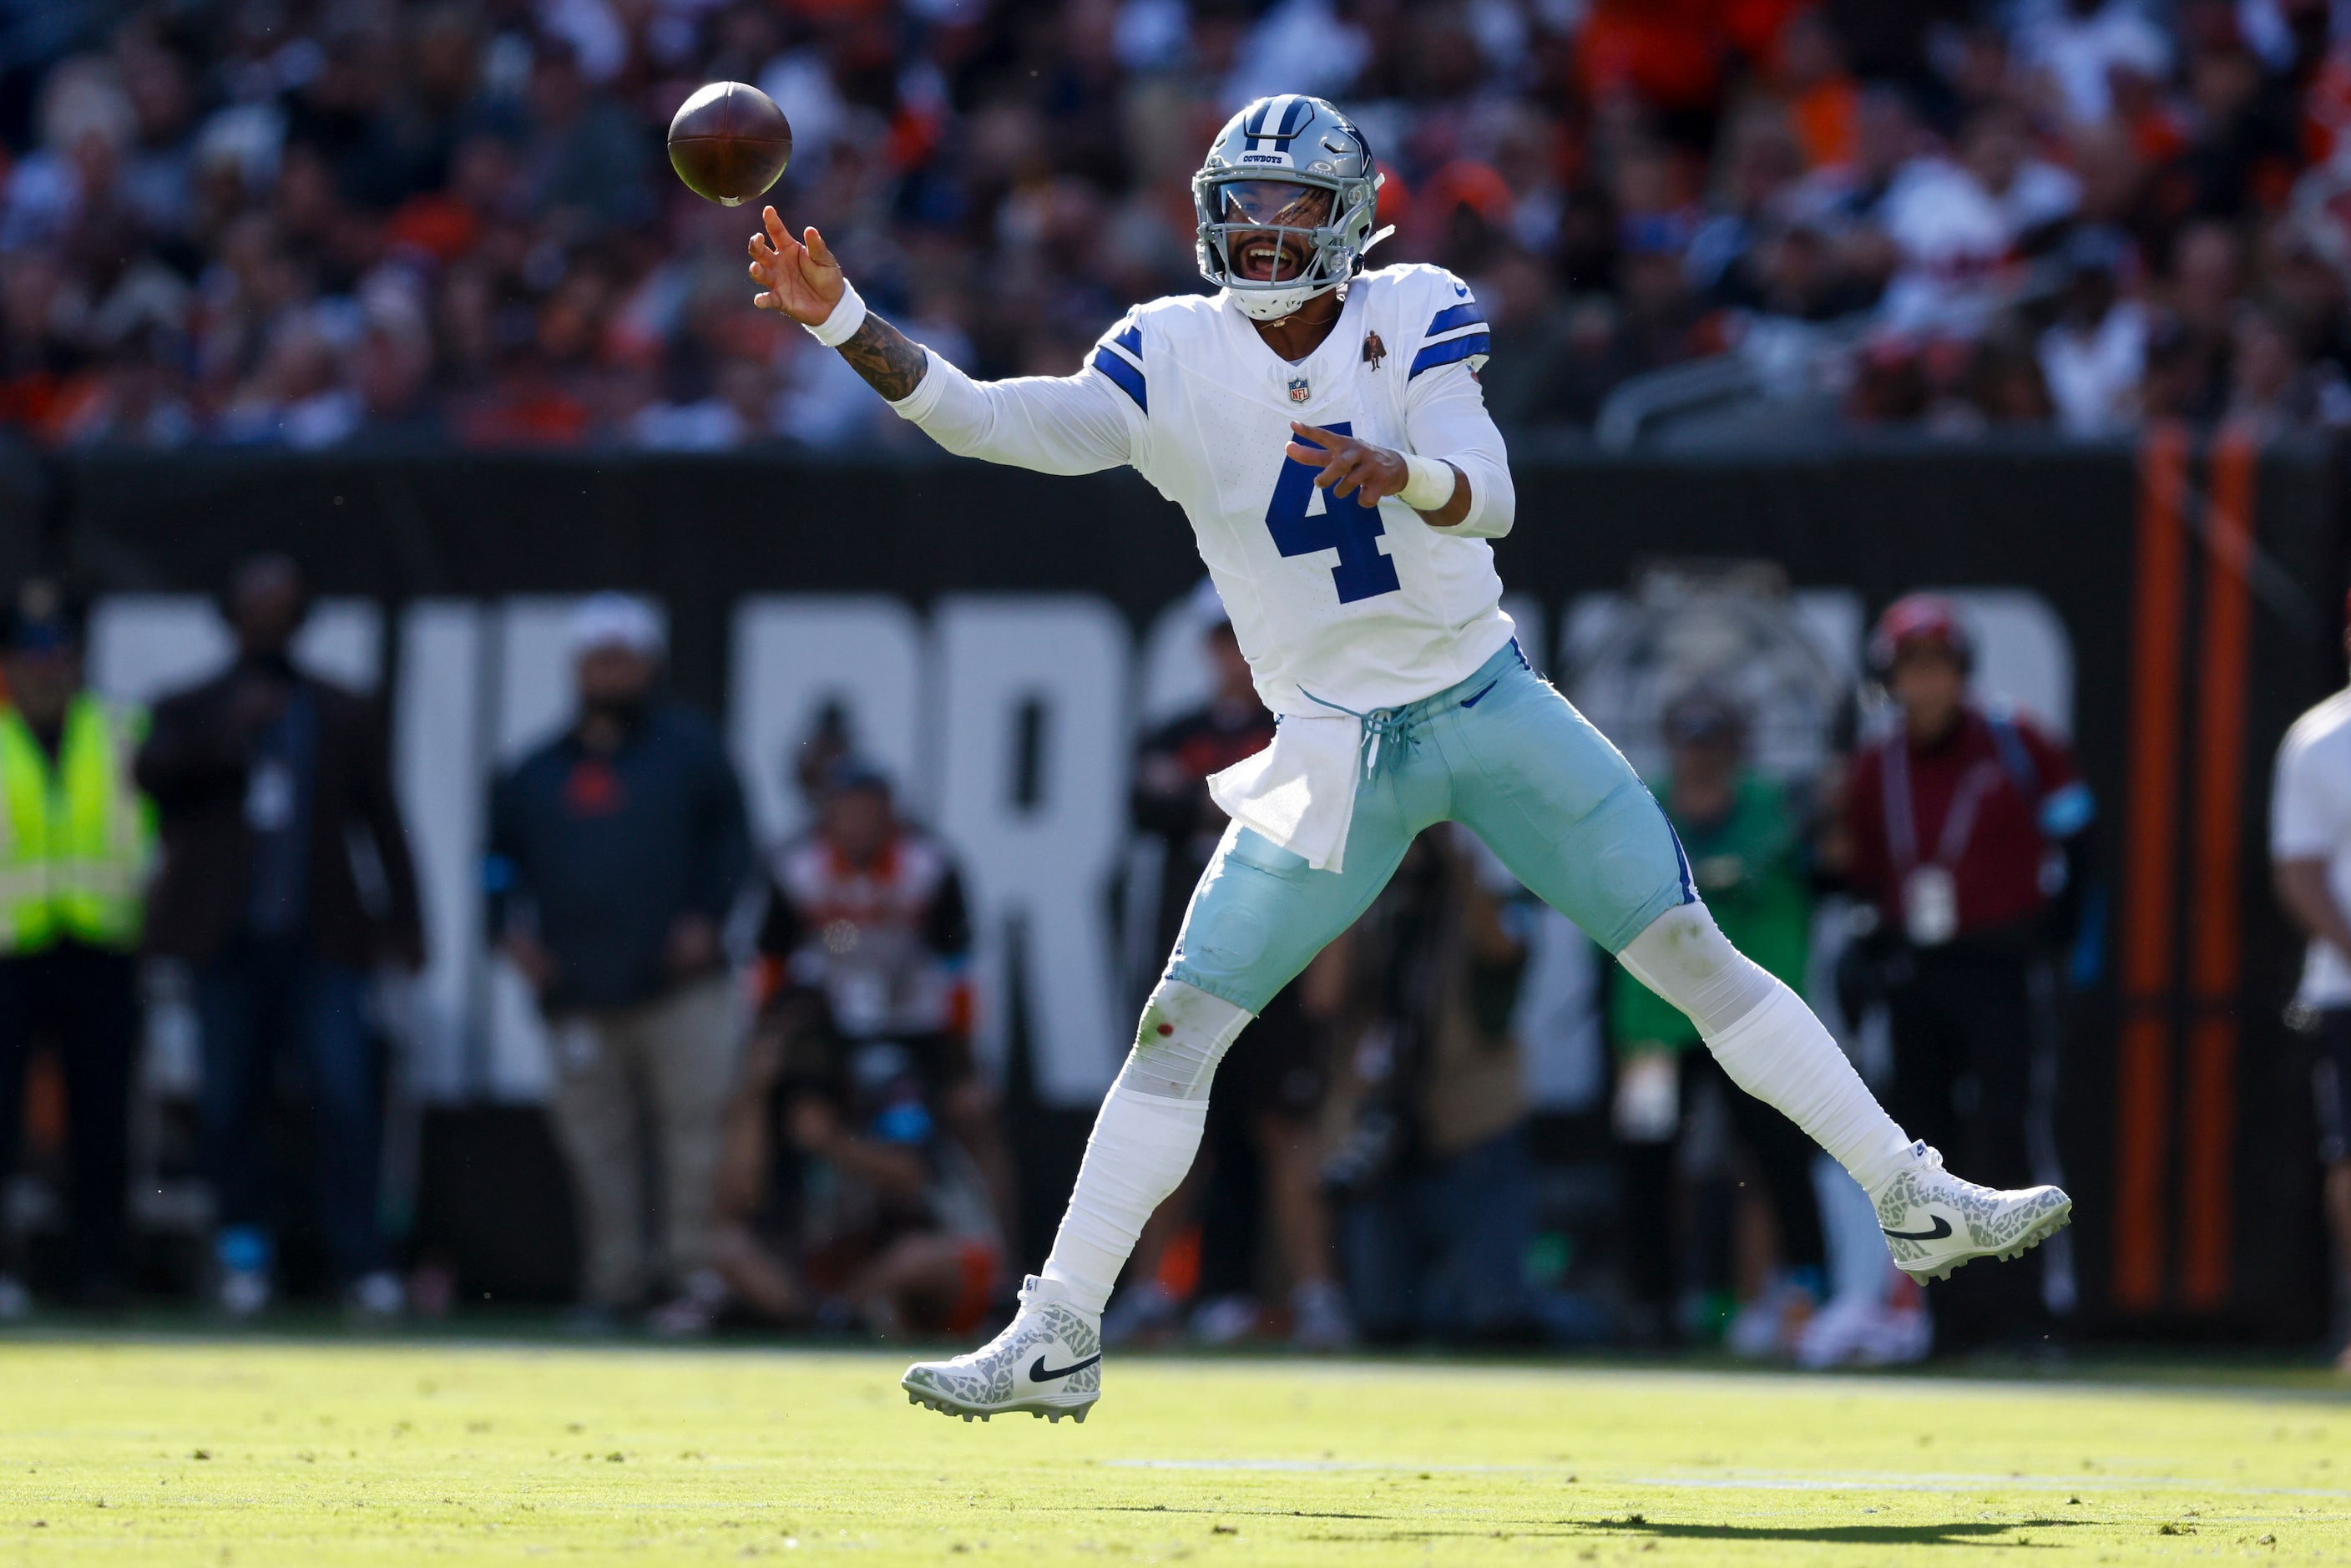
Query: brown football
(729, 143)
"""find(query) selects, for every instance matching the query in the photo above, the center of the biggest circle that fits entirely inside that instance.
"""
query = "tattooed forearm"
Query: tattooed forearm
(891, 364)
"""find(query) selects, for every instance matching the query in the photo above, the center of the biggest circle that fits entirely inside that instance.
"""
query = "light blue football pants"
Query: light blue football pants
(1503, 754)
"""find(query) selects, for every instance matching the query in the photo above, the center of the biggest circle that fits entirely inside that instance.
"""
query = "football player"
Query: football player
(1323, 427)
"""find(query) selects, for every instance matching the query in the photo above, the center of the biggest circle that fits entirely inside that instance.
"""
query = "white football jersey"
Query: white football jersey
(1337, 605)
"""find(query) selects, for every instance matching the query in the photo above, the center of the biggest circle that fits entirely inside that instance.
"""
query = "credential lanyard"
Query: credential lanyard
(1901, 825)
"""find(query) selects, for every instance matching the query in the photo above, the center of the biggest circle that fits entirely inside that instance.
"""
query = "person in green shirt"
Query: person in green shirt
(1745, 842)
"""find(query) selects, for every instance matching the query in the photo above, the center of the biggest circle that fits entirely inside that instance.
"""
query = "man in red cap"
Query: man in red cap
(1968, 826)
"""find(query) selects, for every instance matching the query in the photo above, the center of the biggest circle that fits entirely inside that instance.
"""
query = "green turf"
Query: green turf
(168, 1452)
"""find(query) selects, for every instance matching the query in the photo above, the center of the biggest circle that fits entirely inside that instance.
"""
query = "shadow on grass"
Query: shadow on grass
(1220, 1513)
(1953, 1532)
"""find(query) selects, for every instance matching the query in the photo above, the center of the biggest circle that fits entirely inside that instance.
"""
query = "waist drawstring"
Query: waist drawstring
(1379, 725)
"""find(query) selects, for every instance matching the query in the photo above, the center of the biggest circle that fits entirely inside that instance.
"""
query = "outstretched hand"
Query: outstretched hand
(796, 276)
(1371, 472)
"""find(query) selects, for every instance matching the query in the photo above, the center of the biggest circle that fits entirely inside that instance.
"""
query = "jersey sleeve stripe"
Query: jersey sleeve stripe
(1125, 376)
(1131, 339)
(1463, 315)
(1452, 348)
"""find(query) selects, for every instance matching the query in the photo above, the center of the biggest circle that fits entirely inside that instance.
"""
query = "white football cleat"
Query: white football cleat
(1934, 1222)
(1048, 1362)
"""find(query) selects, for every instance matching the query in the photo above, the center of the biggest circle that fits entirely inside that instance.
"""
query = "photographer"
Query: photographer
(841, 1202)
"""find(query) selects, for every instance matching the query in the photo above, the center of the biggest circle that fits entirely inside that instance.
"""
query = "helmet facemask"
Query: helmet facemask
(1295, 175)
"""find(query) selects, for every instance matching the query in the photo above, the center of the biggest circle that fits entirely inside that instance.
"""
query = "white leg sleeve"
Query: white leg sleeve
(1767, 1040)
(1143, 1140)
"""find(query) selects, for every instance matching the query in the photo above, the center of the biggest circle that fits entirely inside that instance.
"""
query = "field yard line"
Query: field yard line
(1732, 1480)
(1783, 1381)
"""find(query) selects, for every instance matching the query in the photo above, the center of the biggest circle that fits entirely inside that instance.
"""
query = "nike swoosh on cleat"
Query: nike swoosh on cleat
(1942, 1229)
(1472, 702)
(1039, 1373)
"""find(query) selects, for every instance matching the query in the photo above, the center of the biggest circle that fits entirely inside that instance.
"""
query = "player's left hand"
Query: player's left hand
(1371, 472)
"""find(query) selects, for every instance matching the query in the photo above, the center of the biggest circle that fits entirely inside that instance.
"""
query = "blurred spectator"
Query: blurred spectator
(617, 851)
(864, 1170)
(2271, 390)
(1961, 224)
(1261, 1154)
(867, 938)
(286, 880)
(1427, 1153)
(2002, 385)
(2310, 851)
(1968, 830)
(1745, 845)
(75, 850)
(583, 157)
(2082, 45)
(2093, 357)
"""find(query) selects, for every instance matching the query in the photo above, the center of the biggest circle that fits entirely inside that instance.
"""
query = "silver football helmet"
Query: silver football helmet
(1288, 190)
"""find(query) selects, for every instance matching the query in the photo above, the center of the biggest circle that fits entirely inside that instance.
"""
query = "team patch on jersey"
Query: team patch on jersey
(1299, 390)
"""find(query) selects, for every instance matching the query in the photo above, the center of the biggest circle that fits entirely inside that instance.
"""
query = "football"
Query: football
(729, 143)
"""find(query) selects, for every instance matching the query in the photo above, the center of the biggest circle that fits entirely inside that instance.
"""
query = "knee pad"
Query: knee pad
(1185, 1033)
(1685, 957)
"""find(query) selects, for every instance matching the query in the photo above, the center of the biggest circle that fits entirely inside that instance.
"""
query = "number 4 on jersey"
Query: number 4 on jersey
(1353, 530)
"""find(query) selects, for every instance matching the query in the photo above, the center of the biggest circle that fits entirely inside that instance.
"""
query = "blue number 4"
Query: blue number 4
(1353, 530)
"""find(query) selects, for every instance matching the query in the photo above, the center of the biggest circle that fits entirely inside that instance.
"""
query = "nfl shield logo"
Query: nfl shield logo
(1299, 390)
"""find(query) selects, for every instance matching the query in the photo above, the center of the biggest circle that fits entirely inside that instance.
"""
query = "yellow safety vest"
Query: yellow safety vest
(77, 841)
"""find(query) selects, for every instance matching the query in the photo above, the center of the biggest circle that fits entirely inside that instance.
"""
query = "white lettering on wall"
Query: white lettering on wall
(144, 646)
(1033, 798)
(438, 772)
(795, 653)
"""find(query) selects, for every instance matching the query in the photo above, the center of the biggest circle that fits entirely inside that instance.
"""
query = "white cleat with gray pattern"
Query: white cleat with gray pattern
(1048, 1362)
(1934, 1222)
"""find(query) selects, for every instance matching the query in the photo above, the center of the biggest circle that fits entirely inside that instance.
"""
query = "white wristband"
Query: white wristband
(1430, 485)
(848, 315)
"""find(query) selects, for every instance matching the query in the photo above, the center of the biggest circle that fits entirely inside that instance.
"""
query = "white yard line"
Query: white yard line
(1761, 1480)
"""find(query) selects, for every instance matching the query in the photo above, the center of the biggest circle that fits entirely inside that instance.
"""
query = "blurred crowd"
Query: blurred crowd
(764, 1089)
(320, 222)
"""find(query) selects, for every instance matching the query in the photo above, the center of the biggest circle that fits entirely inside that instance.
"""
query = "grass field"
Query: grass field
(162, 1451)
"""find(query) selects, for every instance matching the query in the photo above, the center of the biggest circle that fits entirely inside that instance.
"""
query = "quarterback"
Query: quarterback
(1323, 427)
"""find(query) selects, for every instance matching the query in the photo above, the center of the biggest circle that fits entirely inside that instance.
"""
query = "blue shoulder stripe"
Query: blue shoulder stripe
(1129, 378)
(1452, 348)
(1131, 339)
(1454, 316)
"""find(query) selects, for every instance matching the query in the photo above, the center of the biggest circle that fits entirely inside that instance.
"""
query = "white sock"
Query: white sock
(1767, 1042)
(1143, 1140)
(1141, 1148)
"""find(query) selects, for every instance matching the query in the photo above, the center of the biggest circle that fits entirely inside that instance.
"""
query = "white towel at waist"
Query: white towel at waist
(1299, 792)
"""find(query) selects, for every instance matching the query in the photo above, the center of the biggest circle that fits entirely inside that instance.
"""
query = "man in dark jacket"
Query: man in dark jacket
(286, 880)
(616, 850)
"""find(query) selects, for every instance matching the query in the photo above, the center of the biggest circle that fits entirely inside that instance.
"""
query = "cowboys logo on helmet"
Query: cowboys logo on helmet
(1285, 201)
